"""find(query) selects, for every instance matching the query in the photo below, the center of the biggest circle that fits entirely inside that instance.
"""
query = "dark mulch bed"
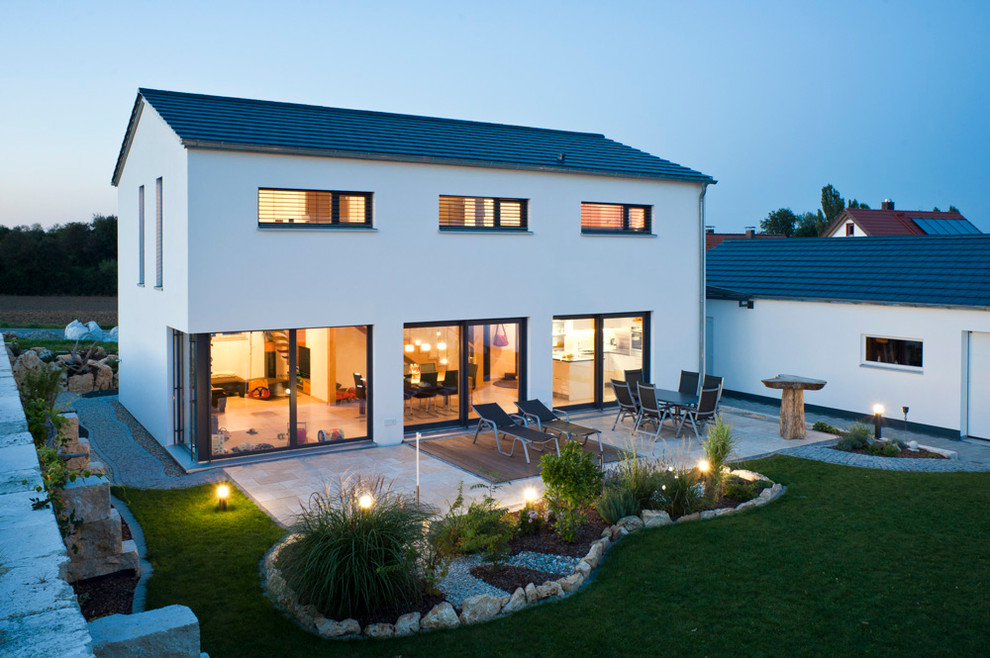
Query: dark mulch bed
(548, 541)
(920, 453)
(391, 613)
(508, 578)
(106, 595)
(125, 530)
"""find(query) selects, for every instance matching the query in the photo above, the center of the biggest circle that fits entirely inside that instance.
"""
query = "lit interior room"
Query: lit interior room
(434, 358)
(250, 397)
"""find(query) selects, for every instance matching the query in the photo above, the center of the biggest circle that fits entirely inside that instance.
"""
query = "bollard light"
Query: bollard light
(223, 492)
(877, 417)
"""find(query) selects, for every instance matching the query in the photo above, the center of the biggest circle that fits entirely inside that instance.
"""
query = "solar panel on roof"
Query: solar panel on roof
(942, 226)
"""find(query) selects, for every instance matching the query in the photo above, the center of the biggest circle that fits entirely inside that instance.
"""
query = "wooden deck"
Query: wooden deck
(483, 460)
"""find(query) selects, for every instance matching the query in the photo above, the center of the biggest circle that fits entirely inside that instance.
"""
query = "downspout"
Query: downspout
(702, 309)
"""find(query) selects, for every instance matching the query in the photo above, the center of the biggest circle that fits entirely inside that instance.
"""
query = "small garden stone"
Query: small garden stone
(531, 595)
(655, 518)
(407, 624)
(379, 630)
(442, 615)
(516, 602)
(480, 608)
(572, 583)
(630, 523)
(330, 628)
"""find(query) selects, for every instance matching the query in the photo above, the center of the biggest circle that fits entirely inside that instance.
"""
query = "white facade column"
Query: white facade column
(539, 364)
(388, 405)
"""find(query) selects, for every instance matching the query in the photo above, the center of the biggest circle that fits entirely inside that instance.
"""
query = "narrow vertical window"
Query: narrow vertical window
(141, 235)
(158, 233)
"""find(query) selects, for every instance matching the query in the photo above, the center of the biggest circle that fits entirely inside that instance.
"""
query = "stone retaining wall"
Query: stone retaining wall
(484, 607)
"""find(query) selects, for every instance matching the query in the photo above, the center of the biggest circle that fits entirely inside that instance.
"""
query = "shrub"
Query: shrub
(44, 384)
(573, 480)
(640, 476)
(719, 444)
(483, 528)
(825, 427)
(350, 561)
(856, 437)
(679, 492)
(616, 502)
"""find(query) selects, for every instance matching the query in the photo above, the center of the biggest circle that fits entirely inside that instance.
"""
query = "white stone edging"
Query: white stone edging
(485, 607)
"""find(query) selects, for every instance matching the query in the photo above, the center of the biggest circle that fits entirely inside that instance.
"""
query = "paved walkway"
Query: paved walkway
(284, 482)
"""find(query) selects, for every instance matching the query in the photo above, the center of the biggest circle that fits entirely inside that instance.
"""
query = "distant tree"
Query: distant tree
(954, 209)
(832, 203)
(69, 259)
(810, 225)
(780, 222)
(935, 209)
(856, 204)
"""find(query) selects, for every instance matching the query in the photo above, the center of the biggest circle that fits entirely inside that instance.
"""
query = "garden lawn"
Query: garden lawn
(847, 561)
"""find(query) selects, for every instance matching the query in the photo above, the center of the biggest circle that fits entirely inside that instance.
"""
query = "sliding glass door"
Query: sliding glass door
(590, 351)
(447, 367)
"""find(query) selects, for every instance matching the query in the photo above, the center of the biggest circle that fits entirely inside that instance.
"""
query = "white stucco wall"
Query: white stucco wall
(238, 277)
(825, 341)
(144, 312)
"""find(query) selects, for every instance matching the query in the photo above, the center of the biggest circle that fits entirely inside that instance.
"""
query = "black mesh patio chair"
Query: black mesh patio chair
(549, 420)
(448, 386)
(652, 410)
(627, 404)
(688, 383)
(702, 413)
(711, 381)
(634, 377)
(494, 418)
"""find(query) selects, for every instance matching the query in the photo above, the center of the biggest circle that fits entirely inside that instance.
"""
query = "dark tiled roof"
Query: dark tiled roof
(880, 223)
(715, 239)
(928, 270)
(237, 123)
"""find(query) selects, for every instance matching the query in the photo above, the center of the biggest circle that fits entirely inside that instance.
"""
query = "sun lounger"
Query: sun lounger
(494, 418)
(549, 420)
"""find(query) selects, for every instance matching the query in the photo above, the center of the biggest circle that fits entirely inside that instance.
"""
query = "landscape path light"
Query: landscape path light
(703, 465)
(223, 492)
(530, 495)
(365, 501)
(877, 417)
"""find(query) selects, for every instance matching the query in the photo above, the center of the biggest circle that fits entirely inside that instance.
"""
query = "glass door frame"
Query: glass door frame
(201, 360)
(599, 359)
(463, 392)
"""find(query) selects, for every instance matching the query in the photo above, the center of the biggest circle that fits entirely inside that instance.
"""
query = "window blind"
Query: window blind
(611, 217)
(482, 213)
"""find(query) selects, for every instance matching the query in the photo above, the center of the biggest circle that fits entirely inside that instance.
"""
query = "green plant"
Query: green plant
(680, 491)
(640, 476)
(856, 437)
(719, 444)
(825, 427)
(531, 519)
(616, 502)
(572, 482)
(742, 490)
(883, 448)
(349, 559)
(43, 383)
(484, 527)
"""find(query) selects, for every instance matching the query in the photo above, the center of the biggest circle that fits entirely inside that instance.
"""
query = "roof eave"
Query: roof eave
(460, 162)
(733, 295)
(125, 146)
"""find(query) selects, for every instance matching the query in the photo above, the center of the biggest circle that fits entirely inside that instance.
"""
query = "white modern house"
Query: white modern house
(896, 321)
(295, 276)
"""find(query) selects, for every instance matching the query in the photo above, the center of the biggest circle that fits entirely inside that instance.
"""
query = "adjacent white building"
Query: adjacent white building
(897, 321)
(295, 276)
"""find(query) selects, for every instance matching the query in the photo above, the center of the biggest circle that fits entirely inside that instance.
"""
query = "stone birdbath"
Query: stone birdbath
(792, 390)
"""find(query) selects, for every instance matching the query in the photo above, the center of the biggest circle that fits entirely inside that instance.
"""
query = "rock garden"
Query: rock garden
(364, 561)
(859, 439)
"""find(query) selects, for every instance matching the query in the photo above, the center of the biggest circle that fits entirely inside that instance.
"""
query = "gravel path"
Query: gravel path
(131, 455)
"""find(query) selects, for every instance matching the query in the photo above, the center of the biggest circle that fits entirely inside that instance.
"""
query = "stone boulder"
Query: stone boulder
(572, 583)
(329, 628)
(516, 602)
(549, 590)
(655, 518)
(380, 631)
(27, 363)
(630, 523)
(80, 383)
(407, 624)
(103, 378)
(169, 632)
(531, 595)
(442, 615)
(594, 555)
(481, 608)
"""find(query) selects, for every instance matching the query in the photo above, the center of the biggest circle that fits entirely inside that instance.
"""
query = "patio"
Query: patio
(280, 487)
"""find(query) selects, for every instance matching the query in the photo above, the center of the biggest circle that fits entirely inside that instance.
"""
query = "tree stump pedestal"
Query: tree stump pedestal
(792, 390)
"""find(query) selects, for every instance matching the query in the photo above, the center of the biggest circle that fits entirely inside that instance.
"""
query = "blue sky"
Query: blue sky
(774, 99)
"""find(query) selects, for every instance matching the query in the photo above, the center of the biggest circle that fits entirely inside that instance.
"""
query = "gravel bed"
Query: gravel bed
(460, 584)
(827, 454)
(562, 564)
